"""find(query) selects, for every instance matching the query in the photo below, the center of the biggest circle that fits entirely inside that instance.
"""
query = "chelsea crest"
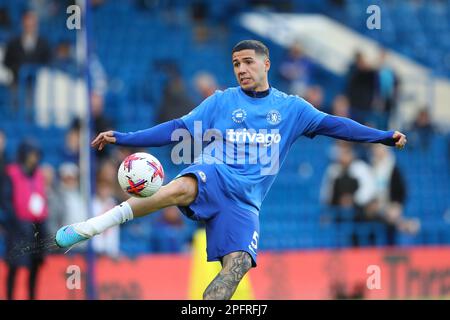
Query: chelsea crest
(273, 117)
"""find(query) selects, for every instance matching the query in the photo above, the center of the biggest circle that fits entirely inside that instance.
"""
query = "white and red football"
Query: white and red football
(140, 175)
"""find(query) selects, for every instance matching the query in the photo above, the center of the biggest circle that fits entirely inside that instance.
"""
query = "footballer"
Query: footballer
(226, 189)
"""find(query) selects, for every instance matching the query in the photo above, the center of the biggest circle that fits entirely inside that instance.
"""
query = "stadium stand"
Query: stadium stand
(135, 43)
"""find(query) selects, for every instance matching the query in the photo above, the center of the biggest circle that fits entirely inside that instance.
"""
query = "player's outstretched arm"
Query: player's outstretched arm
(156, 136)
(349, 130)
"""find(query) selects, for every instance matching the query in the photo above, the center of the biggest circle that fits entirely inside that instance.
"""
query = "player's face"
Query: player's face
(251, 70)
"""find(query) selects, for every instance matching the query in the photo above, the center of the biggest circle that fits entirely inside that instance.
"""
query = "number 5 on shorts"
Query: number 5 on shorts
(254, 243)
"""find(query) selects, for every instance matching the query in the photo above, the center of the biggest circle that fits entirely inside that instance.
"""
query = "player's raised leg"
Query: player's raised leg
(179, 192)
(234, 267)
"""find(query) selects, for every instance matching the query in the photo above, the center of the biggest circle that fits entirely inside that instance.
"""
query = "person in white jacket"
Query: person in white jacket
(360, 185)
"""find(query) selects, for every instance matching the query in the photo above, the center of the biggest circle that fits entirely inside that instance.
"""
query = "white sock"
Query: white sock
(117, 215)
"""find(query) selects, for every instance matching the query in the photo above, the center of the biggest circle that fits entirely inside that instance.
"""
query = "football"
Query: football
(140, 175)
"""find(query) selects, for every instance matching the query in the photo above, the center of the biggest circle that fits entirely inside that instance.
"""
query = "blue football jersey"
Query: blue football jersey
(248, 138)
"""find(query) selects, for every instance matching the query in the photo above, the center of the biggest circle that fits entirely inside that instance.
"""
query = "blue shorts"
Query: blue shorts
(229, 228)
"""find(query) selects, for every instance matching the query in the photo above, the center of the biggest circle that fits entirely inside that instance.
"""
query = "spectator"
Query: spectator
(170, 232)
(176, 101)
(63, 59)
(361, 89)
(205, 85)
(101, 122)
(388, 205)
(70, 193)
(388, 91)
(422, 130)
(107, 243)
(56, 209)
(25, 226)
(297, 70)
(5, 19)
(28, 48)
(349, 181)
(341, 106)
(107, 172)
(390, 183)
(98, 75)
(314, 95)
(71, 149)
(199, 15)
(347, 188)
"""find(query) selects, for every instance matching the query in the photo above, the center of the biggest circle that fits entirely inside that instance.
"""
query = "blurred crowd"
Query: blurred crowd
(36, 199)
(362, 183)
(358, 191)
(370, 95)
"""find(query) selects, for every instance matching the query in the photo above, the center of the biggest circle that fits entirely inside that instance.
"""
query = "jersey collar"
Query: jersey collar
(257, 94)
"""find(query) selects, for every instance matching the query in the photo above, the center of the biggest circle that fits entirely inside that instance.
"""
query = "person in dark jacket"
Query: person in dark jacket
(361, 89)
(26, 211)
(176, 100)
(27, 48)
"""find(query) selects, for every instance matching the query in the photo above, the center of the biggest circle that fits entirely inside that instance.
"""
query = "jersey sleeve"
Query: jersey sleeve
(347, 129)
(307, 118)
(156, 136)
(201, 115)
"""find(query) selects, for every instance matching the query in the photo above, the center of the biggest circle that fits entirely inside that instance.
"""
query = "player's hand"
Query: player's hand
(103, 139)
(400, 139)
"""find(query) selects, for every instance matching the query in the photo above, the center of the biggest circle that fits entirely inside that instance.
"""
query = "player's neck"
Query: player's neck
(257, 93)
